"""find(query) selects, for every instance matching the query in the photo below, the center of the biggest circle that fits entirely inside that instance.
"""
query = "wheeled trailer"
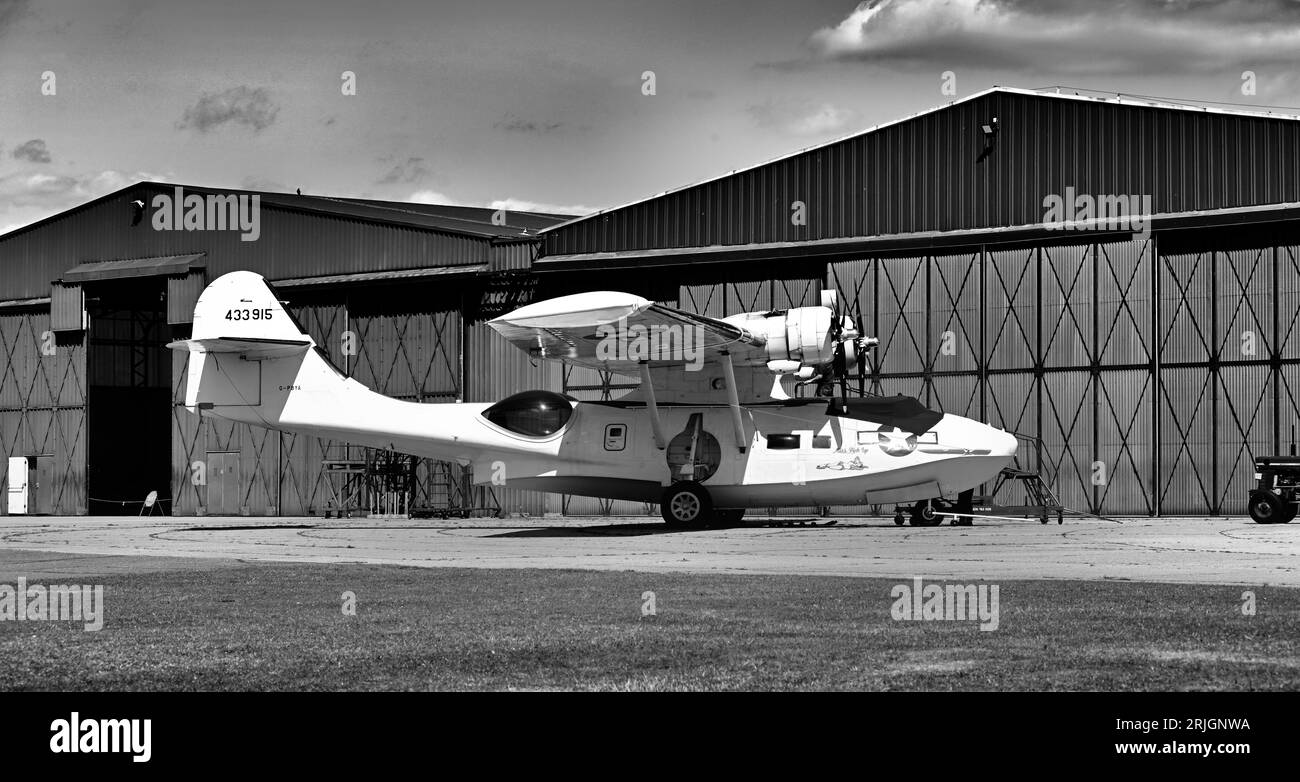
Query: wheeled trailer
(1273, 500)
(1042, 504)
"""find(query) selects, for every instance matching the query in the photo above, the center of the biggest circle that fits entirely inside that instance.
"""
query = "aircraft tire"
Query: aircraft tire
(924, 515)
(686, 505)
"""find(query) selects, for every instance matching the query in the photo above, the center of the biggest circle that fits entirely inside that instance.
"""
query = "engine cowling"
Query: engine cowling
(801, 335)
(802, 342)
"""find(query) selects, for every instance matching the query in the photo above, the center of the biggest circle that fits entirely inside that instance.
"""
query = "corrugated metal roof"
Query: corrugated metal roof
(854, 245)
(470, 221)
(400, 274)
(134, 267)
(464, 220)
(533, 221)
(299, 236)
(1119, 98)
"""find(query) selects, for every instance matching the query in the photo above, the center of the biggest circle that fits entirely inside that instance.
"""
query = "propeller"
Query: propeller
(850, 346)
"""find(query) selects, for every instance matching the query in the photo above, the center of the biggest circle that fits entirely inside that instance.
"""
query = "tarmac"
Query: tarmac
(1174, 550)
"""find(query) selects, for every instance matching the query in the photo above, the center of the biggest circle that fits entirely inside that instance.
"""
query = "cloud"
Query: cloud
(412, 171)
(10, 12)
(249, 106)
(33, 151)
(509, 204)
(802, 118)
(1057, 36)
(28, 197)
(524, 205)
(264, 185)
(434, 197)
(513, 124)
(64, 191)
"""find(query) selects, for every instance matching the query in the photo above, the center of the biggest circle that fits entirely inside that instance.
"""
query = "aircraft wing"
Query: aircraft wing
(615, 331)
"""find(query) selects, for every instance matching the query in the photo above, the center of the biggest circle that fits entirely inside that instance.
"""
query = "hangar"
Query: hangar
(1146, 356)
(88, 390)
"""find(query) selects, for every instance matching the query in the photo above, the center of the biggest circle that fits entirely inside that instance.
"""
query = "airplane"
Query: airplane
(712, 429)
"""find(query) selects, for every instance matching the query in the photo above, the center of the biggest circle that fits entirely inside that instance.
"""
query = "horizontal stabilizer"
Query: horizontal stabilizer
(249, 348)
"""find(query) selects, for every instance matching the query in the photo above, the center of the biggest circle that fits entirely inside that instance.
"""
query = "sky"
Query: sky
(547, 104)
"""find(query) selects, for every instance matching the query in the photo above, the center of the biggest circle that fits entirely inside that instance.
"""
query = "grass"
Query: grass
(281, 627)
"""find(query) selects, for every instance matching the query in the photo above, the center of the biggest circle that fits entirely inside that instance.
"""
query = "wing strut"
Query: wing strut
(657, 425)
(733, 401)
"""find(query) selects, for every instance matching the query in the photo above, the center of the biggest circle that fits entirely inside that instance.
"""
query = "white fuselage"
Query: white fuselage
(249, 361)
(794, 454)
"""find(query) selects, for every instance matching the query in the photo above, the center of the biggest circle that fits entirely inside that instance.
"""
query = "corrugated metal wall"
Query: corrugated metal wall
(1143, 402)
(926, 174)
(405, 344)
(67, 308)
(43, 403)
(182, 294)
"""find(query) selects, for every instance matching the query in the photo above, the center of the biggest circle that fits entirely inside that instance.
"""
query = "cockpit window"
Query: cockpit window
(531, 413)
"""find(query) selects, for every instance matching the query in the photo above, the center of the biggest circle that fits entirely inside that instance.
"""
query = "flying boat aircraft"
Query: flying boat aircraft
(711, 431)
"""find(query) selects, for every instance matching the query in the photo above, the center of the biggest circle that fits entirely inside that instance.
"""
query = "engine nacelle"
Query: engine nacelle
(806, 341)
(801, 335)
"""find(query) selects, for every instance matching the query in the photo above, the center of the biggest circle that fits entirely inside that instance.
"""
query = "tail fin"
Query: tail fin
(246, 352)
(240, 305)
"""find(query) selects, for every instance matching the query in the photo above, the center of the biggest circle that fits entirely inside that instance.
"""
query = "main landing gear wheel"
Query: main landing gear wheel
(898, 519)
(924, 514)
(686, 505)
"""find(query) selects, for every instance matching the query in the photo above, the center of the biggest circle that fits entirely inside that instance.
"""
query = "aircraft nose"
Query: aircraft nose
(1002, 443)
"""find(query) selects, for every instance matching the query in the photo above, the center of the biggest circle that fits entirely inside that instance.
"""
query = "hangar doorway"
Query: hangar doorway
(128, 379)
